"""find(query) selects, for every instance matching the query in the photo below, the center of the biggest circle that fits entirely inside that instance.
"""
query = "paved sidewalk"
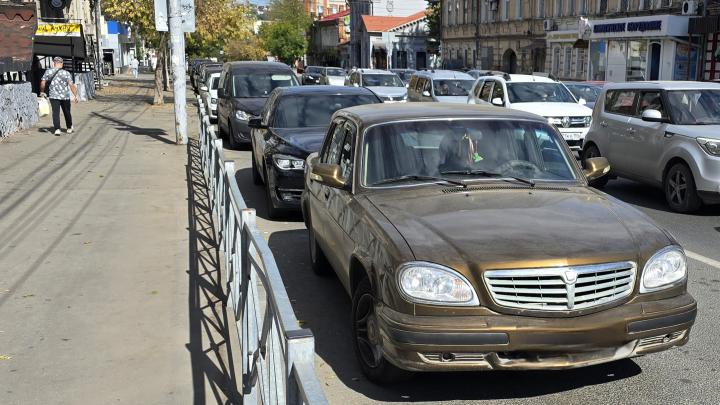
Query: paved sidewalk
(100, 288)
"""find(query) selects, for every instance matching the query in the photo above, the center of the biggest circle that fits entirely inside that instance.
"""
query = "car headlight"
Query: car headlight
(554, 121)
(213, 101)
(242, 115)
(284, 162)
(588, 121)
(431, 283)
(711, 146)
(665, 268)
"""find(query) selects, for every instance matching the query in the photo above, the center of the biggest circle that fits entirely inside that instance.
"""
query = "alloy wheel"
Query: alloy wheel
(678, 187)
(367, 333)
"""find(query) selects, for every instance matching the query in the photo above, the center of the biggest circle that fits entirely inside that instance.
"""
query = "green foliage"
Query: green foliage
(434, 19)
(286, 35)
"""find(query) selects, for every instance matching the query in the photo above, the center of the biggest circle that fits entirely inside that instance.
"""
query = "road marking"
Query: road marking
(701, 258)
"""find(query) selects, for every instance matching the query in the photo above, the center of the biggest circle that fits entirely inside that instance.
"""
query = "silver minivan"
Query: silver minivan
(445, 86)
(661, 133)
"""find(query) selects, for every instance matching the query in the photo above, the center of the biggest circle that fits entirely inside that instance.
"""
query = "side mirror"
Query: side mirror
(407, 85)
(497, 101)
(582, 101)
(221, 92)
(426, 93)
(256, 122)
(327, 174)
(596, 167)
(651, 115)
(203, 88)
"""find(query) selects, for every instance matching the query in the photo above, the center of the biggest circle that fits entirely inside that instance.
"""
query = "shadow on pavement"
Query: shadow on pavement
(324, 306)
(209, 344)
(647, 196)
(155, 133)
(256, 197)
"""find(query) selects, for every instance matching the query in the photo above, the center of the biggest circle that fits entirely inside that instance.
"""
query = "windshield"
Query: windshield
(531, 150)
(452, 87)
(539, 92)
(249, 85)
(313, 110)
(335, 72)
(214, 83)
(379, 80)
(694, 107)
(589, 93)
(313, 70)
(405, 75)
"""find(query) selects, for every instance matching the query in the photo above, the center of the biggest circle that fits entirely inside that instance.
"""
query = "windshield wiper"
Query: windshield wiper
(420, 178)
(486, 173)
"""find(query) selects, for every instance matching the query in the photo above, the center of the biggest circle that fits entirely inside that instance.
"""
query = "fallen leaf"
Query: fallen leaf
(28, 295)
(4, 357)
(87, 242)
(153, 292)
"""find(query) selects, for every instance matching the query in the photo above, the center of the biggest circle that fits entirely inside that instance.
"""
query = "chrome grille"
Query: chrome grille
(561, 288)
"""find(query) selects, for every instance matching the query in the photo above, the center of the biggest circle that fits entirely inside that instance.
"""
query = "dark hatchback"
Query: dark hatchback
(293, 125)
(244, 89)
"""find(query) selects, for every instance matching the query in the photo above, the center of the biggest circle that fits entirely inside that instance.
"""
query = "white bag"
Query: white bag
(43, 106)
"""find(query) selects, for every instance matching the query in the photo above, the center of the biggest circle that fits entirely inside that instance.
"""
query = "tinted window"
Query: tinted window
(694, 107)
(346, 152)
(314, 110)
(589, 93)
(214, 83)
(335, 72)
(487, 90)
(260, 84)
(312, 70)
(379, 80)
(452, 87)
(620, 102)
(536, 92)
(651, 100)
(332, 153)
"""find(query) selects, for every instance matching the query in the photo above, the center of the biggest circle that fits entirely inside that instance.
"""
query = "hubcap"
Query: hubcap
(366, 332)
(677, 187)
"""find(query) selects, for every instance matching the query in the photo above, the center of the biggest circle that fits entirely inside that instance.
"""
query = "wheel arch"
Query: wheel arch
(672, 162)
(359, 271)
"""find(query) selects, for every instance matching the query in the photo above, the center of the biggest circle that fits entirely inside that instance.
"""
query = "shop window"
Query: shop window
(620, 102)
(623, 5)
(580, 64)
(401, 61)
(636, 60)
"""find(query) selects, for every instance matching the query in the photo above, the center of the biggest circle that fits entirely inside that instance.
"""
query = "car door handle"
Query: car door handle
(603, 124)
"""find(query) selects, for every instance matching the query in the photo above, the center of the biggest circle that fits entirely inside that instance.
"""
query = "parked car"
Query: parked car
(446, 86)
(199, 72)
(585, 91)
(404, 74)
(387, 85)
(476, 73)
(208, 93)
(293, 125)
(661, 133)
(468, 239)
(539, 95)
(311, 75)
(244, 88)
(333, 76)
(194, 66)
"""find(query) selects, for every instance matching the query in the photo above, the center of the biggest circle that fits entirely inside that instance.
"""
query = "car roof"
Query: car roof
(444, 74)
(323, 89)
(371, 114)
(257, 66)
(530, 78)
(375, 71)
(664, 85)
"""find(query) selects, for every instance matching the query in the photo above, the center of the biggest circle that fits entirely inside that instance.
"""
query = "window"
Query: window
(580, 64)
(583, 7)
(506, 10)
(346, 152)
(620, 102)
(558, 8)
(518, 9)
(452, 87)
(498, 92)
(539, 92)
(623, 5)
(567, 64)
(300, 111)
(602, 6)
(487, 90)
(571, 7)
(651, 100)
(332, 150)
(694, 107)
(541, 8)
(556, 61)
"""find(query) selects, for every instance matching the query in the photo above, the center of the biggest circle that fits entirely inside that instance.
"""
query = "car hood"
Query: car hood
(305, 140)
(518, 227)
(253, 106)
(554, 109)
(695, 131)
(452, 99)
(384, 91)
(336, 80)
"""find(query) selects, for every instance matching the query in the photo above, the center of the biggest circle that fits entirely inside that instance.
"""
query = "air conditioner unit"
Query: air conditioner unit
(549, 25)
(690, 7)
(493, 5)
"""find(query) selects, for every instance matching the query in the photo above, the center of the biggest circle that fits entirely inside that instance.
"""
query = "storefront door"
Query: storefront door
(655, 54)
(617, 61)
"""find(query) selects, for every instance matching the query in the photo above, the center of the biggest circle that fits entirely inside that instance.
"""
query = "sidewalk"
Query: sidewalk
(101, 296)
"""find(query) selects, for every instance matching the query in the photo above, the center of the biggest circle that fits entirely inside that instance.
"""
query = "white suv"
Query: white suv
(538, 95)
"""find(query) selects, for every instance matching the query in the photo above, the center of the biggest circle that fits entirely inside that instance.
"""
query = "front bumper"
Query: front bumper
(707, 177)
(455, 343)
(240, 131)
(574, 136)
(286, 187)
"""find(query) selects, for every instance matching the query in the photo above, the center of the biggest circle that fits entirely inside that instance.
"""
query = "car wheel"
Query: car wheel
(231, 144)
(318, 260)
(257, 180)
(680, 191)
(272, 212)
(592, 151)
(367, 339)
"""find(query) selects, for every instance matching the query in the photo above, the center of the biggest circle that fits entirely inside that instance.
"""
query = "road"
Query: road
(690, 374)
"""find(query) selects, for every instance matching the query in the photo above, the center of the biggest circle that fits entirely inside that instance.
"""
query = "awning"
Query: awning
(581, 44)
(66, 47)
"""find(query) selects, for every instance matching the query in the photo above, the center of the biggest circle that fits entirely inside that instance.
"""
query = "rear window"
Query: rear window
(620, 102)
(312, 110)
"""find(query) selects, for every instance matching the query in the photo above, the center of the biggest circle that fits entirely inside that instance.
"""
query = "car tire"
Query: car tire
(272, 212)
(590, 152)
(231, 143)
(367, 339)
(257, 180)
(679, 187)
(318, 260)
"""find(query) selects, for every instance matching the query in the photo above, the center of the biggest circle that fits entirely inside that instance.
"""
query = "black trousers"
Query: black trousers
(56, 106)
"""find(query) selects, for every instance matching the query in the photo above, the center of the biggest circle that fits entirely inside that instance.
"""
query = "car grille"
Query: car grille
(561, 288)
(574, 122)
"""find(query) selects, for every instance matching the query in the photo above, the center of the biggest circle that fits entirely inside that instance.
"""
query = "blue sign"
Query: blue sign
(636, 26)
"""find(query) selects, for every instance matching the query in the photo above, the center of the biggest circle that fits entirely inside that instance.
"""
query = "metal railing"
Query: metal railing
(278, 355)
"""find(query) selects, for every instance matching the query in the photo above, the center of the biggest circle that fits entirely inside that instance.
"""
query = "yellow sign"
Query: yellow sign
(59, 30)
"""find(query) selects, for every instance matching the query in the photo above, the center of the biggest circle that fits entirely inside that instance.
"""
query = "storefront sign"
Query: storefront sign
(641, 26)
(562, 36)
(58, 30)
(654, 26)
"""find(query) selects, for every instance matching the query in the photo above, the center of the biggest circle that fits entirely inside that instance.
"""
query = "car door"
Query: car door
(426, 93)
(475, 92)
(645, 140)
(620, 106)
(225, 102)
(340, 245)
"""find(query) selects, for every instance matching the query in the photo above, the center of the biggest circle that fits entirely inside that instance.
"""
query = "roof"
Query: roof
(257, 65)
(324, 89)
(665, 85)
(374, 71)
(530, 78)
(379, 23)
(336, 16)
(371, 114)
(444, 74)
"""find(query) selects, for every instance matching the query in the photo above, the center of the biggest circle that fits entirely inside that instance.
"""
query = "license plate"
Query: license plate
(572, 136)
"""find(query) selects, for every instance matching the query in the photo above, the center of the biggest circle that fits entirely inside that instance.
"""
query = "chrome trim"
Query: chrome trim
(561, 288)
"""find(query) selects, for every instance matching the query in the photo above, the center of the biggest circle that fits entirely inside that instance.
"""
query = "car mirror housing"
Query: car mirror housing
(426, 93)
(497, 101)
(256, 122)
(327, 174)
(596, 167)
(651, 115)
(203, 88)
(582, 101)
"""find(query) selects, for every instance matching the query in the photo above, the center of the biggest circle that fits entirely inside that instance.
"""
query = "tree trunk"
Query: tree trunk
(166, 64)
(160, 72)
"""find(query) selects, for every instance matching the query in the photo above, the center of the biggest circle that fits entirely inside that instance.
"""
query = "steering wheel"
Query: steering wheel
(517, 164)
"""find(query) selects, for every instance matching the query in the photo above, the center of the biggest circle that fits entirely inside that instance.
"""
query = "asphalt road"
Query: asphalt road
(688, 375)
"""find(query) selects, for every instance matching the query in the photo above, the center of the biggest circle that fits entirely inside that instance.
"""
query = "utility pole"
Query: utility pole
(177, 43)
(98, 49)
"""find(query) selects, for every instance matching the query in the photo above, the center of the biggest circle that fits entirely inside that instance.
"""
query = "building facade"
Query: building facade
(607, 40)
(394, 42)
(318, 9)
(329, 37)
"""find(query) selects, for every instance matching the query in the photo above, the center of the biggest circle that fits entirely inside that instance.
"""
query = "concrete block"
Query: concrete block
(18, 108)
